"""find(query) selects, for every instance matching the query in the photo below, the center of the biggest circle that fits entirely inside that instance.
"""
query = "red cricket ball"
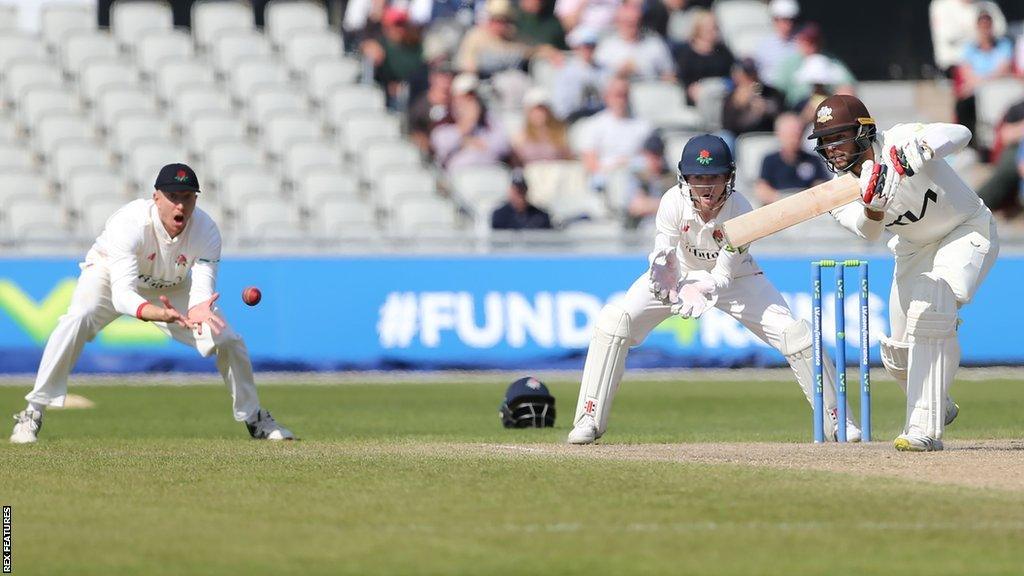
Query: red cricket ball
(251, 295)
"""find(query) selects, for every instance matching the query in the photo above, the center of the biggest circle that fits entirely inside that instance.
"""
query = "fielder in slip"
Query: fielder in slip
(944, 241)
(692, 269)
(153, 258)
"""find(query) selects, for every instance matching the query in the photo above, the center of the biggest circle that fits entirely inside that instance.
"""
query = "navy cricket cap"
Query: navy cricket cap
(177, 178)
(706, 154)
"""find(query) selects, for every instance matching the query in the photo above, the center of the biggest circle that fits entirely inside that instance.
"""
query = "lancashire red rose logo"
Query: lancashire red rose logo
(181, 176)
(704, 157)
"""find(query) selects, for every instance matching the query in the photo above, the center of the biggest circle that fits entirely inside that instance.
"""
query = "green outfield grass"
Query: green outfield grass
(160, 480)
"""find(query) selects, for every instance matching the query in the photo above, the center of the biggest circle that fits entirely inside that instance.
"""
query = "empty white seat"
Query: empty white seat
(239, 184)
(267, 217)
(19, 182)
(132, 127)
(82, 46)
(711, 94)
(8, 17)
(343, 100)
(358, 130)
(319, 183)
(555, 180)
(302, 155)
(746, 43)
(99, 73)
(399, 184)
(285, 18)
(191, 100)
(380, 155)
(148, 156)
(33, 218)
(57, 126)
(344, 217)
(283, 129)
(15, 157)
(15, 45)
(225, 155)
(422, 217)
(253, 71)
(115, 100)
(132, 20)
(232, 46)
(324, 74)
(87, 185)
(95, 213)
(59, 21)
(208, 127)
(737, 16)
(301, 50)
(71, 154)
(211, 18)
(8, 130)
(268, 100)
(994, 97)
(175, 75)
(27, 72)
(751, 148)
(481, 188)
(662, 104)
(154, 47)
(36, 102)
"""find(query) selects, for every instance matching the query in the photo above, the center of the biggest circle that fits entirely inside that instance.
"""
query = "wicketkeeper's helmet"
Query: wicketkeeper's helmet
(528, 404)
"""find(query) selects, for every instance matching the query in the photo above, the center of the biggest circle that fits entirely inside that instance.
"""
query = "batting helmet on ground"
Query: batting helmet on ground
(528, 404)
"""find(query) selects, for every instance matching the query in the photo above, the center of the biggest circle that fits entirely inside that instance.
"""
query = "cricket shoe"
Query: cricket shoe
(852, 432)
(27, 425)
(585, 431)
(915, 443)
(952, 411)
(266, 428)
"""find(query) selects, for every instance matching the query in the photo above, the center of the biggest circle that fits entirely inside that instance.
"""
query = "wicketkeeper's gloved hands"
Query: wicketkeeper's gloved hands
(665, 276)
(908, 158)
(695, 297)
(878, 183)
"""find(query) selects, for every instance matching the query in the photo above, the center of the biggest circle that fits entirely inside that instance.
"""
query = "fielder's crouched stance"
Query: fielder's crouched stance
(153, 258)
(691, 270)
(944, 240)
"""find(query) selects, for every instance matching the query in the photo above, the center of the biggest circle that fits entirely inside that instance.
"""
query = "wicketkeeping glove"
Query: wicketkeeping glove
(877, 185)
(665, 276)
(908, 158)
(695, 298)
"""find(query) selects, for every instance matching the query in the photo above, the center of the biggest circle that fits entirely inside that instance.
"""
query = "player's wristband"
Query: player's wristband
(138, 311)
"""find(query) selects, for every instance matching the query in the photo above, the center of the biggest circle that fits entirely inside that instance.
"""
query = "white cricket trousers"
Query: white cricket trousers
(91, 310)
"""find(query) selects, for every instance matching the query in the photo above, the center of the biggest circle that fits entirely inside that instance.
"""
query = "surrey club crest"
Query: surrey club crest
(824, 114)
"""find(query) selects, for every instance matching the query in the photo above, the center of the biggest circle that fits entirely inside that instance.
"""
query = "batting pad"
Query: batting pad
(606, 361)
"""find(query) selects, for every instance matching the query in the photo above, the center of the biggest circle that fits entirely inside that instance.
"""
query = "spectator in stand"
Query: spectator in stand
(490, 47)
(476, 138)
(579, 82)
(793, 82)
(791, 168)
(518, 213)
(543, 137)
(775, 49)
(614, 137)
(536, 25)
(704, 56)
(650, 179)
(1002, 186)
(433, 108)
(953, 24)
(751, 106)
(586, 16)
(397, 54)
(986, 58)
(424, 12)
(631, 53)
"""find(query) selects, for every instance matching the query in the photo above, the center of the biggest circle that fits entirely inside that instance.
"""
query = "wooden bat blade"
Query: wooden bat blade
(792, 210)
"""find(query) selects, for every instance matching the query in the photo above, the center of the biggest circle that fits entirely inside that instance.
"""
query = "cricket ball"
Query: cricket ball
(251, 295)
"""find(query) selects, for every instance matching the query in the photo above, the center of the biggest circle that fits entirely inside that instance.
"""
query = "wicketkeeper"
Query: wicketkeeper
(944, 240)
(154, 259)
(692, 268)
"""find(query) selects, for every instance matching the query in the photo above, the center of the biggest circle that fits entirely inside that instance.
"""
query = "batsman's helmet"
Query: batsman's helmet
(528, 404)
(841, 112)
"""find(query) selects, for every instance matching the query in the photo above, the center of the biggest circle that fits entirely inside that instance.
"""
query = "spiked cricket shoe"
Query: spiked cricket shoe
(585, 431)
(27, 425)
(266, 428)
(915, 443)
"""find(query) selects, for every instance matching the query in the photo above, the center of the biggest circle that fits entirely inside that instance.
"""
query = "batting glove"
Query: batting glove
(665, 276)
(877, 185)
(908, 158)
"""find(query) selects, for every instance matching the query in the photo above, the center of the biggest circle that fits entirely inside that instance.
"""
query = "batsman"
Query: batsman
(692, 269)
(943, 237)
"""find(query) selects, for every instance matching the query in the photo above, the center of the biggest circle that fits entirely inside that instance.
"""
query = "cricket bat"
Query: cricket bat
(792, 210)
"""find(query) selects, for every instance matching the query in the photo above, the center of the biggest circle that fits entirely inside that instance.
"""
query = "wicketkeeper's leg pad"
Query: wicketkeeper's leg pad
(797, 345)
(605, 364)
